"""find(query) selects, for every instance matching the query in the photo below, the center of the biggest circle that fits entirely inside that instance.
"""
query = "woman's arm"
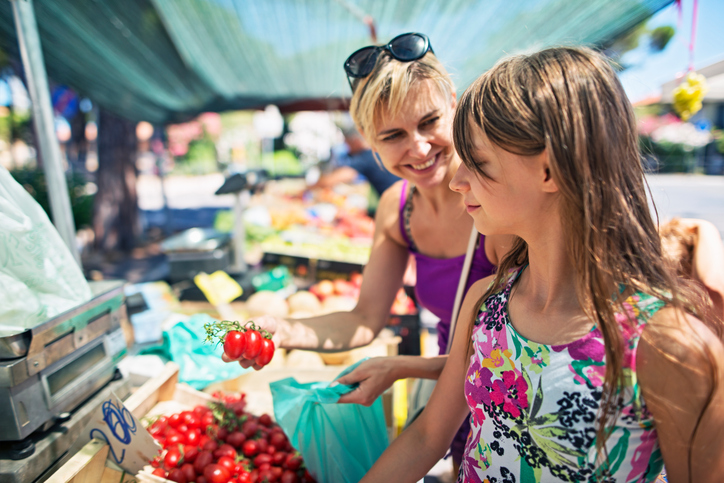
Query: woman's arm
(708, 263)
(382, 279)
(427, 439)
(680, 366)
(376, 375)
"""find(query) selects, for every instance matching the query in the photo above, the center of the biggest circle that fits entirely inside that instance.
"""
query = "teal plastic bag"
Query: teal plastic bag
(199, 363)
(339, 442)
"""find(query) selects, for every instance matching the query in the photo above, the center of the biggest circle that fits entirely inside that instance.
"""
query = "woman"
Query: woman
(403, 103)
(585, 358)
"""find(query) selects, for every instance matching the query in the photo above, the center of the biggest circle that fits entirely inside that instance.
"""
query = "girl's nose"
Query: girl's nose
(459, 181)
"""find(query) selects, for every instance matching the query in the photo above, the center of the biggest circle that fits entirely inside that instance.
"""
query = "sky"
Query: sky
(655, 69)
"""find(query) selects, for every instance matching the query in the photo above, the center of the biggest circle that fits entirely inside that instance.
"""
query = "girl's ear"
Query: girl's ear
(549, 184)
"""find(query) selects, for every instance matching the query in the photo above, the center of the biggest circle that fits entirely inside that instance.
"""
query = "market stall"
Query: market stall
(283, 249)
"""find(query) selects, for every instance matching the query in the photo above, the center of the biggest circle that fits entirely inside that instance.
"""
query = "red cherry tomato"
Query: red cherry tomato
(178, 476)
(207, 420)
(159, 472)
(202, 461)
(193, 436)
(227, 463)
(262, 458)
(250, 448)
(276, 472)
(189, 471)
(174, 420)
(279, 458)
(253, 344)
(267, 475)
(278, 440)
(289, 476)
(216, 474)
(249, 428)
(236, 439)
(210, 445)
(172, 459)
(225, 450)
(263, 445)
(190, 453)
(234, 344)
(293, 462)
(267, 352)
(265, 419)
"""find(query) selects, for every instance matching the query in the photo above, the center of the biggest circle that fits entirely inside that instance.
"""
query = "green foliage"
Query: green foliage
(660, 36)
(199, 159)
(672, 157)
(81, 203)
(282, 163)
(718, 139)
(656, 40)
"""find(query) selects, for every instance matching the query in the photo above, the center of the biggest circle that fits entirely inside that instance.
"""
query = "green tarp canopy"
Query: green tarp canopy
(166, 60)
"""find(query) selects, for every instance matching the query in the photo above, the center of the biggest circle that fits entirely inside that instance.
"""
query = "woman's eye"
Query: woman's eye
(392, 136)
(430, 122)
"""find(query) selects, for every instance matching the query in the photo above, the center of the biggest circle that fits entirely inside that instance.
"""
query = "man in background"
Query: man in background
(357, 160)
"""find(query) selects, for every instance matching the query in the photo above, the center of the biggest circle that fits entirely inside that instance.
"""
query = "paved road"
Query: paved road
(689, 196)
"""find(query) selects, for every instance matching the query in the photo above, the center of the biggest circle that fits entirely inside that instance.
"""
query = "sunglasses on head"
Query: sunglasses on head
(405, 48)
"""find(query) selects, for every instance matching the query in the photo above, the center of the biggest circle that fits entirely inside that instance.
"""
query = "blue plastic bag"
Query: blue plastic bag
(199, 362)
(339, 442)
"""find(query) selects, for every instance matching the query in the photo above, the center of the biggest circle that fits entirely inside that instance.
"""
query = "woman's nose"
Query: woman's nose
(459, 181)
(420, 146)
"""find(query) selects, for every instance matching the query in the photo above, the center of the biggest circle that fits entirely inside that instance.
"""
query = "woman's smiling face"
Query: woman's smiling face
(416, 144)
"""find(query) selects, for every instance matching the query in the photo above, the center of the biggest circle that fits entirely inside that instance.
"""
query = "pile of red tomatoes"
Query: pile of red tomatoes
(222, 443)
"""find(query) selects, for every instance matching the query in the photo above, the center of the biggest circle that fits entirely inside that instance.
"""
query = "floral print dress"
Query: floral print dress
(534, 406)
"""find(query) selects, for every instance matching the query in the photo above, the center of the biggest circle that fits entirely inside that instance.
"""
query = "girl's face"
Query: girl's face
(511, 194)
(416, 144)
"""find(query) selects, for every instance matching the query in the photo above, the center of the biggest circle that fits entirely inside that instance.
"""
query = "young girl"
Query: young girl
(585, 358)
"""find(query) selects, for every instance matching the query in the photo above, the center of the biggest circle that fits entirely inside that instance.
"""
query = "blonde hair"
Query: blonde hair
(569, 102)
(387, 87)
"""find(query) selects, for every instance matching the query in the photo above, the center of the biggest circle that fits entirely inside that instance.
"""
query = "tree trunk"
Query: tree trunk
(115, 216)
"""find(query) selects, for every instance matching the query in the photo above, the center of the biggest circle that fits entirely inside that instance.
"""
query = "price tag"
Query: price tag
(131, 446)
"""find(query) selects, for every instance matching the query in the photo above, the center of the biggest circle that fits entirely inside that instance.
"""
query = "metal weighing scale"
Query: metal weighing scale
(47, 375)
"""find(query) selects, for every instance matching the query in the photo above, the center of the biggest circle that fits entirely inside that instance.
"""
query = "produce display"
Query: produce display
(248, 340)
(222, 443)
(340, 295)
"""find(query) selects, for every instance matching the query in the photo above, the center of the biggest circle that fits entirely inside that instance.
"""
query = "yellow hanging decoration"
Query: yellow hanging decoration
(689, 94)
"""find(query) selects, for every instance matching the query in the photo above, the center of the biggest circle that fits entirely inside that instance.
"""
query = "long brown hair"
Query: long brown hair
(569, 102)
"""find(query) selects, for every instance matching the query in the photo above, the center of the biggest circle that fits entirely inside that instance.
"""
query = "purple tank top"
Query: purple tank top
(437, 278)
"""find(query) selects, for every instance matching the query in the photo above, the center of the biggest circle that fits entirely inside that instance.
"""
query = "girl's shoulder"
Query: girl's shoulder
(489, 284)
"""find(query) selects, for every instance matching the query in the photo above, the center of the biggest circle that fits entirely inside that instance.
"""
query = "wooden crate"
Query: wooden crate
(161, 394)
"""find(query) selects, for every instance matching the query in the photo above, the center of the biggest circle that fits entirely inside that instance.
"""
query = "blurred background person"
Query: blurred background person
(355, 158)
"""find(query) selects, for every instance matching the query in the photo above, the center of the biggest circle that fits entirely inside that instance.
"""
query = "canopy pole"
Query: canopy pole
(32, 58)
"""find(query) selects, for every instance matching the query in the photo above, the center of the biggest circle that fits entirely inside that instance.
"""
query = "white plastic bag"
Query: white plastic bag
(39, 278)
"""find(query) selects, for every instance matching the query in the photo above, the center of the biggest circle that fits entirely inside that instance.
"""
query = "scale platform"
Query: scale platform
(50, 369)
(51, 374)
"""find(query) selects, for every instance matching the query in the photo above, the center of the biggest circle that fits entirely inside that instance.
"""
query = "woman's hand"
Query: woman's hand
(270, 324)
(374, 376)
